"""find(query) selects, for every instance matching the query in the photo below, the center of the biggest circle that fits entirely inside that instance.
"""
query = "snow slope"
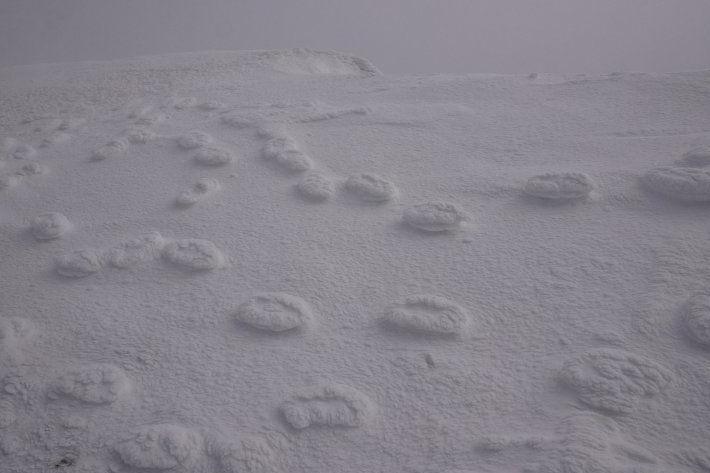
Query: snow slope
(287, 261)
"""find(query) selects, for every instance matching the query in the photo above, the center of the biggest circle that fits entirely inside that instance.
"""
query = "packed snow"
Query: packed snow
(287, 261)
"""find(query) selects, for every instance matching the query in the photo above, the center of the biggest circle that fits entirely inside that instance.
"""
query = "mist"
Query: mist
(412, 36)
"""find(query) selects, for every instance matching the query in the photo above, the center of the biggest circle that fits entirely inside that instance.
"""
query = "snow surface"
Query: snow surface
(286, 261)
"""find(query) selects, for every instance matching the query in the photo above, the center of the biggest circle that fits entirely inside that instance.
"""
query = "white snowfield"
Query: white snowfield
(287, 261)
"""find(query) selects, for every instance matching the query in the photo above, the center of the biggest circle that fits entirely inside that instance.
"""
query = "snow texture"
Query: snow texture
(249, 223)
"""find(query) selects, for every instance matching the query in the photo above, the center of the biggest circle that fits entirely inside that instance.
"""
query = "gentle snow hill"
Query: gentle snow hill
(286, 261)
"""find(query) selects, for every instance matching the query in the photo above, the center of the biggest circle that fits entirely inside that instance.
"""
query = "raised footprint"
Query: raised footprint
(113, 149)
(370, 188)
(79, 264)
(249, 453)
(22, 151)
(160, 447)
(8, 181)
(427, 314)
(32, 169)
(55, 138)
(211, 105)
(679, 183)
(559, 186)
(183, 103)
(698, 156)
(275, 312)
(434, 216)
(194, 139)
(204, 187)
(92, 384)
(49, 226)
(138, 134)
(697, 319)
(285, 152)
(587, 442)
(194, 254)
(613, 380)
(71, 123)
(213, 156)
(136, 251)
(331, 405)
(316, 187)
(14, 333)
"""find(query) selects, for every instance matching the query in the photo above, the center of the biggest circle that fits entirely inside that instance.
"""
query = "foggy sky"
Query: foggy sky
(399, 36)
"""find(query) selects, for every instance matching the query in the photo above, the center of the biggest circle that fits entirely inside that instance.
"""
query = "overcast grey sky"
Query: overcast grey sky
(399, 36)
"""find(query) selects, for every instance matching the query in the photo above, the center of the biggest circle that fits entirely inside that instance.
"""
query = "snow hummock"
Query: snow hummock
(286, 261)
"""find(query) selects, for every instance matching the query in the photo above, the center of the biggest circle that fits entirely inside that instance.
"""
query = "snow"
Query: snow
(288, 261)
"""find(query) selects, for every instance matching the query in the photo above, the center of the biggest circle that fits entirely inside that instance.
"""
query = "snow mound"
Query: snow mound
(310, 62)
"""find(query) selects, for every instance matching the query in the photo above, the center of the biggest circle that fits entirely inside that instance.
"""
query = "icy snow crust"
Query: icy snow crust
(285, 261)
